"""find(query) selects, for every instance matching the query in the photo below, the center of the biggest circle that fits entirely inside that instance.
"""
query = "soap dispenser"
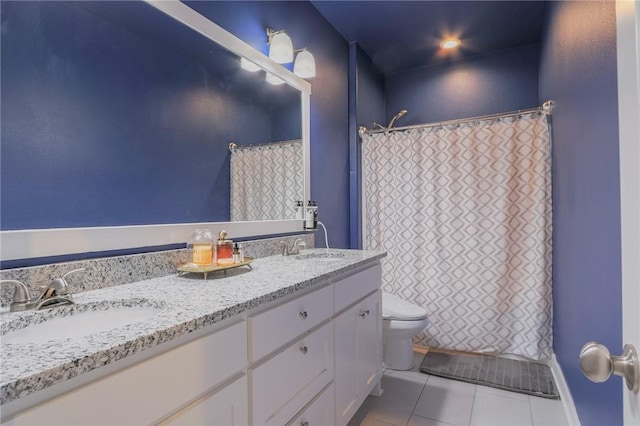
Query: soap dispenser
(224, 250)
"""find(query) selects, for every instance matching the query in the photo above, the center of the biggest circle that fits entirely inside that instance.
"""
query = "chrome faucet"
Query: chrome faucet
(295, 249)
(55, 294)
(21, 297)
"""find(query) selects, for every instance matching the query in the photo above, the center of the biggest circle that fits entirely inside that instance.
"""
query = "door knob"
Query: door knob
(598, 364)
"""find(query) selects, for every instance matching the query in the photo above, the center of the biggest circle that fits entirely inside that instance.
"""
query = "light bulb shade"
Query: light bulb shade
(247, 65)
(305, 65)
(275, 80)
(281, 48)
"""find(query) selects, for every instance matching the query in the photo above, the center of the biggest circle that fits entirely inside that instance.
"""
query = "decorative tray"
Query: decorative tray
(192, 267)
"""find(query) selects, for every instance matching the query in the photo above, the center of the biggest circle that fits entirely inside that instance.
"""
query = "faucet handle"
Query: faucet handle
(59, 286)
(21, 295)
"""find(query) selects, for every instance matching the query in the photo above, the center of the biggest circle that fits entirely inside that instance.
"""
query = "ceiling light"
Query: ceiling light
(450, 44)
(280, 47)
(247, 65)
(305, 65)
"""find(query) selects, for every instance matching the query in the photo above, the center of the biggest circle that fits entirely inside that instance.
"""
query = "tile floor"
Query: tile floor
(412, 398)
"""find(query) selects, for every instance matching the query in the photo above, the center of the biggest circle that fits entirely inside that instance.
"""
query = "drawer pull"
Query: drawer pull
(303, 349)
(304, 423)
(363, 313)
(303, 315)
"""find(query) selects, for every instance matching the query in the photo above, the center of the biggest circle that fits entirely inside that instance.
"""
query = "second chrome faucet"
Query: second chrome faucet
(295, 249)
(56, 293)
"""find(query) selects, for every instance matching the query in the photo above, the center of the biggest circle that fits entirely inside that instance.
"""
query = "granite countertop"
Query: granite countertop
(184, 304)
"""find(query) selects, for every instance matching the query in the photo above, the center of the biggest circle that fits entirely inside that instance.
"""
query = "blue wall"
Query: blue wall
(68, 101)
(578, 71)
(485, 84)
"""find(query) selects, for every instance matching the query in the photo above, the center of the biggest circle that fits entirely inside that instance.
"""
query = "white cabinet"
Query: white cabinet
(277, 326)
(284, 384)
(310, 360)
(358, 355)
(150, 390)
(346, 349)
(290, 377)
(224, 407)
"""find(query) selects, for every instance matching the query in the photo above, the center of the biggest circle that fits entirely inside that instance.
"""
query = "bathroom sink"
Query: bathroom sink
(322, 256)
(77, 321)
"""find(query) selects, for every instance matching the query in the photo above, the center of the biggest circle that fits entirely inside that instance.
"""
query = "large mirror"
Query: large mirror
(137, 116)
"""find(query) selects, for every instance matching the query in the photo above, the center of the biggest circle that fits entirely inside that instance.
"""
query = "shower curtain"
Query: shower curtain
(266, 180)
(464, 213)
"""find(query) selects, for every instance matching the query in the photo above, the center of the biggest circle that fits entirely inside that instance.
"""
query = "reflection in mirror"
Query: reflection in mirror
(266, 180)
(116, 114)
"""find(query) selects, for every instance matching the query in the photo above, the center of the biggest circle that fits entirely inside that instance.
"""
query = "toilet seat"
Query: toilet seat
(394, 308)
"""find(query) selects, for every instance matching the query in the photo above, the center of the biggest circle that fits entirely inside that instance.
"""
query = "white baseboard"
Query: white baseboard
(565, 395)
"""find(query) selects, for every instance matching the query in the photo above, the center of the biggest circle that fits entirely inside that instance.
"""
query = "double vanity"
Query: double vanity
(294, 340)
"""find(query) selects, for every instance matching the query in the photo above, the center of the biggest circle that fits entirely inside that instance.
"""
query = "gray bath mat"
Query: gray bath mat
(530, 378)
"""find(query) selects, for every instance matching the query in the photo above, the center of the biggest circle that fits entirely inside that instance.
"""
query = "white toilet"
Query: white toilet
(400, 321)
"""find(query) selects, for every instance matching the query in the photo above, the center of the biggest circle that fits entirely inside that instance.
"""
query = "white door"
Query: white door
(595, 359)
(628, 41)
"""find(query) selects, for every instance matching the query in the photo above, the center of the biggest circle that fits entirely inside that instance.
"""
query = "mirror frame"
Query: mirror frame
(36, 243)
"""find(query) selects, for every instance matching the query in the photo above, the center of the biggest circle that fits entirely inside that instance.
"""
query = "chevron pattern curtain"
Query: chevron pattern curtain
(266, 181)
(464, 213)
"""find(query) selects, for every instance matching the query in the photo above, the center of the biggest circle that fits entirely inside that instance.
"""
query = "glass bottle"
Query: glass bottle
(224, 250)
(201, 246)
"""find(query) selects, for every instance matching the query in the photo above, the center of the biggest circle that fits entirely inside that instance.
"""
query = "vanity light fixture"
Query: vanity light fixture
(280, 46)
(450, 43)
(281, 51)
(305, 65)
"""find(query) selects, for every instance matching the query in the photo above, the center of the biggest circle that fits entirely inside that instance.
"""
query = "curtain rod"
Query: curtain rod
(546, 109)
(233, 145)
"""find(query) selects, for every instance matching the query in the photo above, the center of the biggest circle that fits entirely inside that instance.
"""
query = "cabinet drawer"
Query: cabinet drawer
(147, 391)
(319, 413)
(284, 384)
(272, 329)
(225, 407)
(355, 287)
